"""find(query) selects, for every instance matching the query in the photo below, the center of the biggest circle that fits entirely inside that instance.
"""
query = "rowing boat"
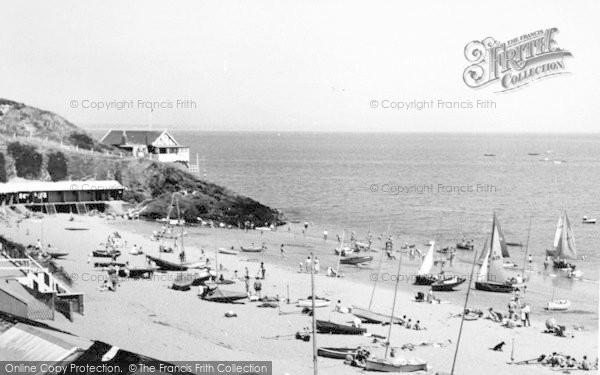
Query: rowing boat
(223, 296)
(165, 265)
(397, 365)
(368, 316)
(252, 249)
(56, 255)
(137, 273)
(307, 302)
(356, 260)
(336, 353)
(227, 251)
(106, 253)
(558, 305)
(447, 285)
(338, 329)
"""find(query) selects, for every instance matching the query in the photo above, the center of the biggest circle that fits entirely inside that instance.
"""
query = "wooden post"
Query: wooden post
(314, 322)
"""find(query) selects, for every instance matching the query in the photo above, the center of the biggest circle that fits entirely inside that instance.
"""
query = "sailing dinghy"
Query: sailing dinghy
(564, 247)
(491, 277)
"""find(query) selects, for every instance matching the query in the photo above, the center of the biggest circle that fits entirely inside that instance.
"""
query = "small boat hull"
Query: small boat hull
(229, 252)
(165, 265)
(368, 316)
(252, 249)
(56, 255)
(424, 280)
(558, 305)
(223, 296)
(336, 353)
(319, 302)
(338, 329)
(383, 365)
(105, 253)
(137, 273)
(465, 246)
(356, 260)
(447, 285)
(495, 288)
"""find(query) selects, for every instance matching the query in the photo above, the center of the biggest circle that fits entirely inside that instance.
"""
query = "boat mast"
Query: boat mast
(463, 314)
(387, 346)
(378, 269)
(337, 270)
(314, 323)
(527, 246)
(491, 254)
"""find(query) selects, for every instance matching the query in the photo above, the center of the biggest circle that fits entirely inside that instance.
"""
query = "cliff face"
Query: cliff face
(30, 148)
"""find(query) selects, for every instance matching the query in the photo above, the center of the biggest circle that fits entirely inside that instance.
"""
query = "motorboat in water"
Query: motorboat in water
(587, 220)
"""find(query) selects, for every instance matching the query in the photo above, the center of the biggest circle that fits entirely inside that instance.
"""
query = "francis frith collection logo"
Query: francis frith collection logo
(515, 63)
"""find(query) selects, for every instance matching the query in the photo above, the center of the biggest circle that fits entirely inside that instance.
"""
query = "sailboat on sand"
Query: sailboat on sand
(491, 277)
(564, 247)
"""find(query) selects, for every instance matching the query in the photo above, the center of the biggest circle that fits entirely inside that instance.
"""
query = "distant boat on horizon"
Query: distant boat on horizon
(533, 153)
(489, 154)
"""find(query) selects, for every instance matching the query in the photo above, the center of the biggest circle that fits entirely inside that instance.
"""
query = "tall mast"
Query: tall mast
(527, 246)
(463, 314)
(394, 305)
(378, 269)
(491, 244)
(314, 322)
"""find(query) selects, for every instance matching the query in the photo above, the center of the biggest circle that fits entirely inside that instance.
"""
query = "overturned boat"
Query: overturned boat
(354, 260)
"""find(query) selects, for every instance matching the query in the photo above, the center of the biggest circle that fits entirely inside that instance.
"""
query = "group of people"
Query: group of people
(308, 263)
(566, 361)
(518, 311)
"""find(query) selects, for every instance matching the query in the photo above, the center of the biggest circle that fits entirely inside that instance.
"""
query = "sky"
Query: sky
(292, 65)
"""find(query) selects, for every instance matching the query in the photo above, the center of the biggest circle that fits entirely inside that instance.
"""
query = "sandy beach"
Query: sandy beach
(148, 317)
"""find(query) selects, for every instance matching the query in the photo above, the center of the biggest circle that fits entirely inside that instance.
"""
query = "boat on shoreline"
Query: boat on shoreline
(223, 250)
(398, 365)
(222, 296)
(424, 276)
(165, 265)
(491, 277)
(564, 247)
(106, 253)
(307, 302)
(558, 305)
(465, 245)
(336, 353)
(338, 329)
(253, 249)
(447, 285)
(587, 220)
(368, 316)
(355, 260)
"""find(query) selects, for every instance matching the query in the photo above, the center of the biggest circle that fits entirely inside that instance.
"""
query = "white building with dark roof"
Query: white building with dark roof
(155, 145)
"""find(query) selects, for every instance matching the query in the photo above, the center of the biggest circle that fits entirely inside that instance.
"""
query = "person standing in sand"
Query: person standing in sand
(325, 235)
(247, 281)
(257, 287)
(282, 251)
(317, 265)
(308, 264)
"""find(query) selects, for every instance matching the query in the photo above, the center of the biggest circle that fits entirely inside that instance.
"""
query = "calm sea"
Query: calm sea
(423, 186)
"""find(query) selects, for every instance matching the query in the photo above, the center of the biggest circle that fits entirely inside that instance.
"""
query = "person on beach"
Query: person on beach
(308, 264)
(546, 263)
(526, 310)
(325, 236)
(257, 287)
(301, 269)
(282, 251)
(317, 265)
(585, 364)
(512, 308)
(38, 245)
(247, 282)
(409, 324)
(418, 326)
(263, 270)
(235, 274)
(247, 273)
